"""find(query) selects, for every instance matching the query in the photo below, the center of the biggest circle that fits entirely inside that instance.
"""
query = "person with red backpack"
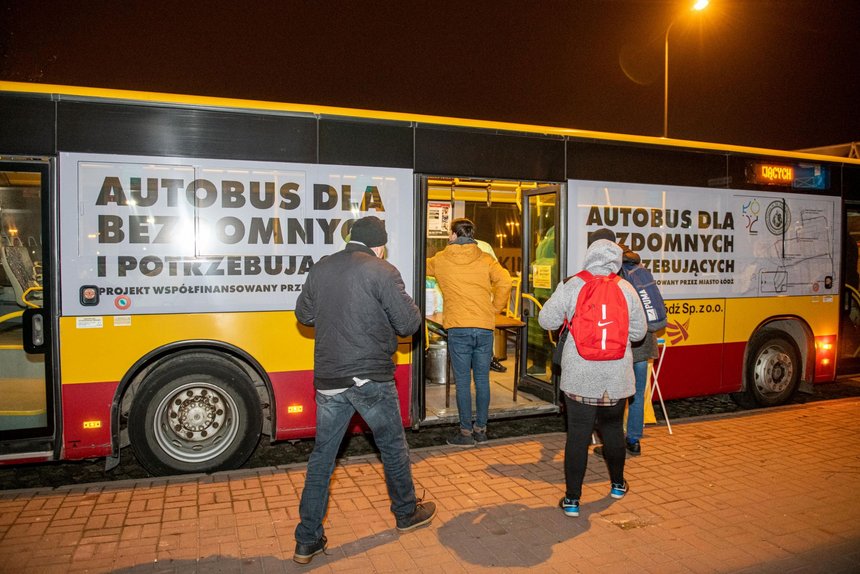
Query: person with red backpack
(645, 350)
(603, 314)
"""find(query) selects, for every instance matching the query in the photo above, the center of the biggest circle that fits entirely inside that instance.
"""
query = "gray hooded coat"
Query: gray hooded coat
(594, 378)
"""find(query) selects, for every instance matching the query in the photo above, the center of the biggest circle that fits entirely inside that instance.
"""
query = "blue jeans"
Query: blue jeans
(471, 350)
(636, 407)
(378, 405)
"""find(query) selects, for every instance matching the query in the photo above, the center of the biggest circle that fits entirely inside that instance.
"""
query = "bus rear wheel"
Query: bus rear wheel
(195, 413)
(773, 369)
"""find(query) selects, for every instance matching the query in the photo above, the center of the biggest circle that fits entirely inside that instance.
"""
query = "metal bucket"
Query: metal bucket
(436, 362)
(500, 344)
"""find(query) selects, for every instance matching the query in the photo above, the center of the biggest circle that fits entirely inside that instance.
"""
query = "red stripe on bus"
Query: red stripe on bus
(86, 419)
(700, 370)
(296, 404)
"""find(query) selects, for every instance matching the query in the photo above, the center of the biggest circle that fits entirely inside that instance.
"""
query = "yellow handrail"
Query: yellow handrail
(11, 315)
(27, 292)
(534, 300)
(516, 283)
(855, 294)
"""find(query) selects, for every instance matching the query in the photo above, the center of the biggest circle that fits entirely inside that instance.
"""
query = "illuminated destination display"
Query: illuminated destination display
(770, 173)
(798, 176)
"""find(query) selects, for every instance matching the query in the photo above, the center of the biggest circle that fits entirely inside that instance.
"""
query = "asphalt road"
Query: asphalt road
(63, 473)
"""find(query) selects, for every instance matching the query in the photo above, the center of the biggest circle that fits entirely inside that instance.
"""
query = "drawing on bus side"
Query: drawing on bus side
(701, 242)
(797, 256)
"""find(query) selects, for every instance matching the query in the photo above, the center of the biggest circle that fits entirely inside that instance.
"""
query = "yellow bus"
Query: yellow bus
(153, 247)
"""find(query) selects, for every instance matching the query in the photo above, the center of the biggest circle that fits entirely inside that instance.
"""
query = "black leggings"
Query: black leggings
(580, 425)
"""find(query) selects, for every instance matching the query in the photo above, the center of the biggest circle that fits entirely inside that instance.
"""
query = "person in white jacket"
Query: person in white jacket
(594, 390)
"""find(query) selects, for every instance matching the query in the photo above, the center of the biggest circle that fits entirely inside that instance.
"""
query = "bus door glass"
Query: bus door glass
(542, 255)
(849, 318)
(25, 394)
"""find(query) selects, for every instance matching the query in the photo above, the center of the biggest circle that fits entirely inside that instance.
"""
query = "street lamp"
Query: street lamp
(697, 7)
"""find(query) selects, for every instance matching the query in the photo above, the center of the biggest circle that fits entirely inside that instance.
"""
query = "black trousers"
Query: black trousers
(580, 425)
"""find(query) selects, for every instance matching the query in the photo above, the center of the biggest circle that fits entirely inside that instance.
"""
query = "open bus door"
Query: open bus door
(849, 314)
(542, 255)
(27, 416)
(498, 208)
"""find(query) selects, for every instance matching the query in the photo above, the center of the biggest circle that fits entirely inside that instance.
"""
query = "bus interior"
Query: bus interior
(23, 392)
(517, 219)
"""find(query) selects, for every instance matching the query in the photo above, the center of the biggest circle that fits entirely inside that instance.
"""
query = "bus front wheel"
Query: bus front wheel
(195, 413)
(773, 369)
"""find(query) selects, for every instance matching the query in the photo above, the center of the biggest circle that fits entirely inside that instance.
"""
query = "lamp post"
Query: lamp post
(697, 7)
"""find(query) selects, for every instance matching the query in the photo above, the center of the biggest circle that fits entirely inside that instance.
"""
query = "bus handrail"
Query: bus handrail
(26, 293)
(855, 294)
(11, 315)
(537, 303)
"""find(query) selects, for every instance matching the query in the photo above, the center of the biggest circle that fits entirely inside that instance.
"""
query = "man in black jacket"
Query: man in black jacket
(358, 305)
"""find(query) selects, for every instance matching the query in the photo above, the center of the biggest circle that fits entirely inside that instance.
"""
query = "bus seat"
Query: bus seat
(19, 269)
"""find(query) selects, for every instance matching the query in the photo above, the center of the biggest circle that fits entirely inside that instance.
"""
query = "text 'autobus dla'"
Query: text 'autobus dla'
(153, 248)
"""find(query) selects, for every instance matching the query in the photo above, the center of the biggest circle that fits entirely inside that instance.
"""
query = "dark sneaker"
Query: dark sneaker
(619, 490)
(305, 552)
(479, 434)
(462, 438)
(424, 513)
(598, 450)
(570, 506)
(495, 365)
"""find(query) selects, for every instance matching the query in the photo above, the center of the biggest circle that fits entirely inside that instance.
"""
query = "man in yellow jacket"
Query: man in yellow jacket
(476, 288)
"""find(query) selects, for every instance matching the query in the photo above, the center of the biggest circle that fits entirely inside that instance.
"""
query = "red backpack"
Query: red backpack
(601, 322)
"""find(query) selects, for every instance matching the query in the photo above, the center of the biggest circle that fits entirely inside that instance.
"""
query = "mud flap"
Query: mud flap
(112, 462)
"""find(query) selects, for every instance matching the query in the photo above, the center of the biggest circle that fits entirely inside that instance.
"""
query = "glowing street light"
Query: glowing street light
(697, 7)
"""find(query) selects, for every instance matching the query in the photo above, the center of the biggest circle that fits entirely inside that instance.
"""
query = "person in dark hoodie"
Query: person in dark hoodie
(358, 305)
(594, 390)
(643, 351)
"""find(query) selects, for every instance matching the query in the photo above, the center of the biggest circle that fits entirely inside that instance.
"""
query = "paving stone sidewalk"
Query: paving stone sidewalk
(764, 491)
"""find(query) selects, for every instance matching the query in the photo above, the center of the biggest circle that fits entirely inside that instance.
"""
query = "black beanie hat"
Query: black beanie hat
(601, 233)
(369, 230)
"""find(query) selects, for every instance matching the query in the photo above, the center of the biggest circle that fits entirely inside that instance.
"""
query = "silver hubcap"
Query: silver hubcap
(196, 422)
(774, 370)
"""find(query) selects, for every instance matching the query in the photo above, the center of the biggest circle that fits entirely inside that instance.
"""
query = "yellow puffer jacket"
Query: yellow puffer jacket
(475, 288)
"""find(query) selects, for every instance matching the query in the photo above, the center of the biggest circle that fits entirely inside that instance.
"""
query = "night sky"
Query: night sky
(782, 74)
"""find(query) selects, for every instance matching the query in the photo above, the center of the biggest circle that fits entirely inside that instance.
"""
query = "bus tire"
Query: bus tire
(195, 413)
(773, 369)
